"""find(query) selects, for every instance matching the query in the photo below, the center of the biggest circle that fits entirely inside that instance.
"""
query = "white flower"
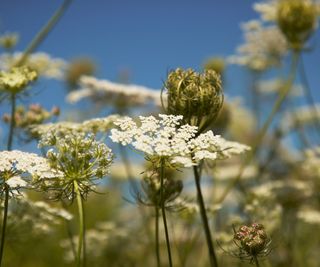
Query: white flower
(17, 167)
(92, 125)
(264, 47)
(178, 143)
(104, 91)
(310, 216)
(41, 62)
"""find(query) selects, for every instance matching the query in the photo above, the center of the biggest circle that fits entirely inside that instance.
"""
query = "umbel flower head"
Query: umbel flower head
(166, 138)
(297, 19)
(252, 241)
(198, 97)
(16, 79)
(17, 168)
(77, 157)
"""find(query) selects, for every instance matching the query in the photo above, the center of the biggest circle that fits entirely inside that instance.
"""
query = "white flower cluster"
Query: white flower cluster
(37, 217)
(312, 162)
(304, 115)
(87, 126)
(264, 47)
(98, 240)
(275, 86)
(114, 93)
(167, 138)
(18, 167)
(310, 216)
(41, 62)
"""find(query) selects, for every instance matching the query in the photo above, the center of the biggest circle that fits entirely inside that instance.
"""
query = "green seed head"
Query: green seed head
(297, 19)
(196, 96)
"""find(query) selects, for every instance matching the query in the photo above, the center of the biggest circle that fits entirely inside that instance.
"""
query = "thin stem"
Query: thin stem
(308, 95)
(163, 211)
(42, 34)
(276, 107)
(81, 226)
(69, 233)
(204, 218)
(4, 222)
(12, 121)
(157, 237)
(255, 259)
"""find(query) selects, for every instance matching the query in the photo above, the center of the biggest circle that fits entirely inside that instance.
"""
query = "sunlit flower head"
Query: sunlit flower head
(16, 79)
(117, 94)
(77, 157)
(17, 169)
(167, 138)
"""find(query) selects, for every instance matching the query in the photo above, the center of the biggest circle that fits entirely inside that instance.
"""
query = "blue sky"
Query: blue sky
(147, 37)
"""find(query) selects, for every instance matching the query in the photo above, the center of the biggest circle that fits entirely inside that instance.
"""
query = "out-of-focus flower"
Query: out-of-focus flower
(77, 68)
(264, 47)
(151, 191)
(34, 217)
(17, 79)
(9, 40)
(119, 95)
(42, 63)
(217, 64)
(297, 19)
(310, 216)
(34, 115)
(275, 86)
(305, 115)
(65, 127)
(167, 138)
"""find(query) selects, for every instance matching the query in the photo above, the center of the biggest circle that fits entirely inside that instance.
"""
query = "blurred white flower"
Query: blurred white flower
(41, 62)
(104, 91)
(264, 47)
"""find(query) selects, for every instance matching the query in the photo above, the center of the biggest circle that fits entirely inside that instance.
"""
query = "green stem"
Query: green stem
(255, 259)
(81, 248)
(42, 34)
(69, 233)
(276, 107)
(12, 121)
(204, 218)
(163, 211)
(157, 237)
(4, 222)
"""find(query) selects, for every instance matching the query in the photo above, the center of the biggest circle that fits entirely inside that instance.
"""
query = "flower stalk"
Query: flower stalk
(4, 223)
(163, 211)
(204, 218)
(81, 247)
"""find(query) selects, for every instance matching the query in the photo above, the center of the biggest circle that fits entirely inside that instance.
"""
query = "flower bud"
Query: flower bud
(196, 96)
(253, 239)
(151, 186)
(297, 20)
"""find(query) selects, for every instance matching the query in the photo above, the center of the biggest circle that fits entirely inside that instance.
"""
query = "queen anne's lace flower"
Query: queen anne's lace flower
(264, 47)
(79, 158)
(115, 93)
(169, 139)
(41, 62)
(65, 127)
(18, 167)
